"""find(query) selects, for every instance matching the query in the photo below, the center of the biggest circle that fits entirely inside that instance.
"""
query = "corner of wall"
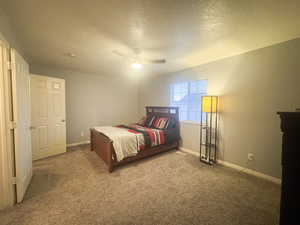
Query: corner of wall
(8, 33)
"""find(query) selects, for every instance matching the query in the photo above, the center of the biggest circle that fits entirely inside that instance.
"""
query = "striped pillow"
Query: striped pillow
(149, 121)
(161, 123)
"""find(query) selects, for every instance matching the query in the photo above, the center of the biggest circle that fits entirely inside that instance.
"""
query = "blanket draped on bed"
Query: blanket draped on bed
(125, 143)
(153, 137)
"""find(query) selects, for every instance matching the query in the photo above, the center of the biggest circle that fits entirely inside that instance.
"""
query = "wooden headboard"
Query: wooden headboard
(163, 111)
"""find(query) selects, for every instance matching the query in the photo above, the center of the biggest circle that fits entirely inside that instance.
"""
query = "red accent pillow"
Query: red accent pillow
(161, 123)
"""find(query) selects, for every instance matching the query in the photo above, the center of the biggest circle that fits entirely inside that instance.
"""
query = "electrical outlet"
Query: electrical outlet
(82, 133)
(250, 156)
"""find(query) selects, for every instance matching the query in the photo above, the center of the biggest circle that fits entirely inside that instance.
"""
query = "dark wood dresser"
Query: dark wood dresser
(290, 188)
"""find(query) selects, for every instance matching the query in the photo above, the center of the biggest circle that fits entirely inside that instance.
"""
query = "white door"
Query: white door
(7, 188)
(21, 117)
(48, 125)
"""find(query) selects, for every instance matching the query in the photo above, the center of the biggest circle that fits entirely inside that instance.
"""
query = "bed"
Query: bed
(104, 146)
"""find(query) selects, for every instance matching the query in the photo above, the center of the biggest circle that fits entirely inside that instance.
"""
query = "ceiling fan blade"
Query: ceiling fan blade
(129, 57)
(119, 54)
(158, 61)
(137, 59)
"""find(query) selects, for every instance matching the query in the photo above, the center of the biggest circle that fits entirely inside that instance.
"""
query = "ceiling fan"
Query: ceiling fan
(137, 60)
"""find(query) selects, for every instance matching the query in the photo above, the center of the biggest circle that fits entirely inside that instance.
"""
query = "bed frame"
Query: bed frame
(103, 146)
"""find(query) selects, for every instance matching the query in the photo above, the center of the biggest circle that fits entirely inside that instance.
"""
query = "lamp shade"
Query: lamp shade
(209, 104)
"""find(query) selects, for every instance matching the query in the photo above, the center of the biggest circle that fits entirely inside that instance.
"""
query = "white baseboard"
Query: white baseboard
(78, 143)
(189, 151)
(250, 172)
(56, 151)
(239, 168)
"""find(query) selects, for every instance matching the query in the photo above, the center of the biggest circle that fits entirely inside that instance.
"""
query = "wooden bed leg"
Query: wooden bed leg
(91, 140)
(110, 161)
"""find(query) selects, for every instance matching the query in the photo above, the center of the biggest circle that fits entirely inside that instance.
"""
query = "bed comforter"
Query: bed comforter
(129, 140)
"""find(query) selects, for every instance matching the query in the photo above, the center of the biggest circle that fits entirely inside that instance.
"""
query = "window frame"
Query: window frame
(171, 95)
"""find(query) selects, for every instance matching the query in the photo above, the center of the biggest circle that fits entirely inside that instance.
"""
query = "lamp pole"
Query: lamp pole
(209, 105)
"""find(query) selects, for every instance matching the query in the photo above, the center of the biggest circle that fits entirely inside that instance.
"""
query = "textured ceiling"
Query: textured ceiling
(185, 32)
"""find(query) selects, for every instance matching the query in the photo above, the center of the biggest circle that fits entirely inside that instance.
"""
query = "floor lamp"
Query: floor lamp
(208, 129)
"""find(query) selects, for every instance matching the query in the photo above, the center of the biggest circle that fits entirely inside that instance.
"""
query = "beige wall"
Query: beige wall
(253, 86)
(7, 32)
(93, 100)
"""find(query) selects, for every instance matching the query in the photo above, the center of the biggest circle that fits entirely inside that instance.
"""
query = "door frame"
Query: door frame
(8, 191)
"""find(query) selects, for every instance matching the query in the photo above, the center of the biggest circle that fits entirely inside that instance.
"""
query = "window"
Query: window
(187, 96)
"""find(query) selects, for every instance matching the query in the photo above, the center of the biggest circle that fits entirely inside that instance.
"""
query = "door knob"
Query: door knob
(63, 120)
(32, 128)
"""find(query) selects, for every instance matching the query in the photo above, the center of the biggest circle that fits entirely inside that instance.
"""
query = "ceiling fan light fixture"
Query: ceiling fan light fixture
(136, 65)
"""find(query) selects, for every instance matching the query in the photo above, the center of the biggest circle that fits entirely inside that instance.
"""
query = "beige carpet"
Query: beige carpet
(76, 189)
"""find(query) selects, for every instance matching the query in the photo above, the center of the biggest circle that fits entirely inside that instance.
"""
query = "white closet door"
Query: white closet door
(47, 116)
(21, 114)
(58, 114)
